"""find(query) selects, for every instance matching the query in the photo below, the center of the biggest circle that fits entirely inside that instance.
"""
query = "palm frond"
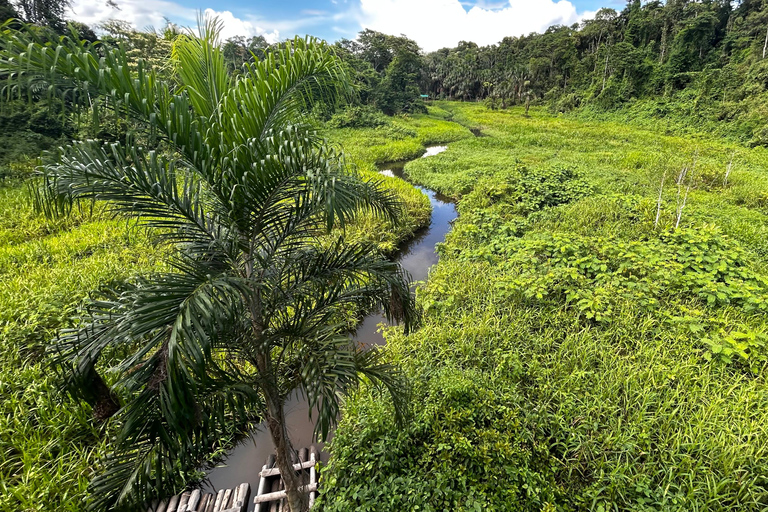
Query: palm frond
(253, 307)
(200, 65)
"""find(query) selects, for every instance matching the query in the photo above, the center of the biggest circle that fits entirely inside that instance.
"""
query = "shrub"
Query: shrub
(358, 117)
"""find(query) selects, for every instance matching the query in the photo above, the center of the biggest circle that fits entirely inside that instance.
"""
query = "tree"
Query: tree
(253, 307)
(238, 50)
(398, 91)
(49, 13)
(386, 70)
(7, 11)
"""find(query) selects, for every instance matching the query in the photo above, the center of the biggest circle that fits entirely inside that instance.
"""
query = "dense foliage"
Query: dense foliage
(252, 307)
(577, 353)
(696, 62)
(49, 444)
(594, 335)
(386, 69)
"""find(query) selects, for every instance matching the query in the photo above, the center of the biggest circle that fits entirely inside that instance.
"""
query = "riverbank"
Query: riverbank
(577, 353)
(49, 444)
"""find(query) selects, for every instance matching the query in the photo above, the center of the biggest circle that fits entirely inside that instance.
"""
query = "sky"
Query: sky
(433, 24)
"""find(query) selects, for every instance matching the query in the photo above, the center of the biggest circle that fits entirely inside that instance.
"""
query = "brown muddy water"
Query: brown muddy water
(417, 255)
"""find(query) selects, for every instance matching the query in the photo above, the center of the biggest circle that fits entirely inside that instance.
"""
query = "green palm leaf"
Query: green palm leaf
(254, 307)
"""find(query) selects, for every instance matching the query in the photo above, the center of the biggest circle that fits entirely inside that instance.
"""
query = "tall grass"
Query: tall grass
(575, 354)
(49, 445)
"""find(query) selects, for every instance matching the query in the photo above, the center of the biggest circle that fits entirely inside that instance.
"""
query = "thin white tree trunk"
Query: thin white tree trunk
(765, 44)
(728, 170)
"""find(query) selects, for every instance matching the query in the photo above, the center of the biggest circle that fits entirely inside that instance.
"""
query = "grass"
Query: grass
(49, 444)
(403, 138)
(574, 354)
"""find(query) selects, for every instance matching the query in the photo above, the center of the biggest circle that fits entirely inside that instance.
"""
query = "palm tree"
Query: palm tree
(253, 307)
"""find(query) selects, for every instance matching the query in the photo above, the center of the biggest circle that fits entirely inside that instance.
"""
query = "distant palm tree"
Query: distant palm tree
(254, 306)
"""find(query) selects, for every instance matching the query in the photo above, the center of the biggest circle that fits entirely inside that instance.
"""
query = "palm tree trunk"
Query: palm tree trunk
(284, 455)
(101, 398)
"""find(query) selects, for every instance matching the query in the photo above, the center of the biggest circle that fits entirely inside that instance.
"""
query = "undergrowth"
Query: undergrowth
(50, 446)
(592, 340)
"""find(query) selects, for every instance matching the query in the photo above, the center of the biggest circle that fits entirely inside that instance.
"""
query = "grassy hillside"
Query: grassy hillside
(578, 354)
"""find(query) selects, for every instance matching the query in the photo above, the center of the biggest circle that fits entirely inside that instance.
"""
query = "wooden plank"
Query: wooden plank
(227, 500)
(183, 501)
(274, 506)
(312, 475)
(279, 495)
(203, 502)
(262, 487)
(217, 504)
(296, 467)
(162, 506)
(194, 500)
(211, 503)
(242, 495)
(173, 504)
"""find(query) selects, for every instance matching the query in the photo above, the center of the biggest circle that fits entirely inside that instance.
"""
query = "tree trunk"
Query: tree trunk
(102, 400)
(765, 44)
(297, 501)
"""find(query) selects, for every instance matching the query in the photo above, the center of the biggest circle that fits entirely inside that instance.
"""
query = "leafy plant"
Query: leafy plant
(249, 311)
(358, 117)
(747, 348)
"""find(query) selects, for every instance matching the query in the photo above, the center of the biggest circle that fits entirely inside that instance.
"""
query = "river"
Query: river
(417, 255)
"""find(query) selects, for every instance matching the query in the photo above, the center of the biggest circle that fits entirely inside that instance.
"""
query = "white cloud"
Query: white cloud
(139, 13)
(234, 26)
(436, 24)
(142, 14)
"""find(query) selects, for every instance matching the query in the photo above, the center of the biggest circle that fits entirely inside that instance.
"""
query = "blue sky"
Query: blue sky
(432, 23)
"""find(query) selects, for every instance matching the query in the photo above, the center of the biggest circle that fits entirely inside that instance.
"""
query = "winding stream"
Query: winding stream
(416, 256)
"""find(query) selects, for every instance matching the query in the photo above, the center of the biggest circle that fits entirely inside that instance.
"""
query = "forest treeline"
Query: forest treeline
(698, 61)
(698, 65)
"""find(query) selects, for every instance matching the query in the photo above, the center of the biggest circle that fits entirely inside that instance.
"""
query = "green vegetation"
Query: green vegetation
(576, 353)
(252, 305)
(678, 64)
(51, 447)
(400, 138)
(395, 139)
(49, 444)
(594, 336)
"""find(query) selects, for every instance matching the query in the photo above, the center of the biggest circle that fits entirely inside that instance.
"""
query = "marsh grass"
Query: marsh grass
(49, 445)
(403, 138)
(582, 355)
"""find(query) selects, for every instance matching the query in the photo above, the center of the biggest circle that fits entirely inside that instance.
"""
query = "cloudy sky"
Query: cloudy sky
(432, 23)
